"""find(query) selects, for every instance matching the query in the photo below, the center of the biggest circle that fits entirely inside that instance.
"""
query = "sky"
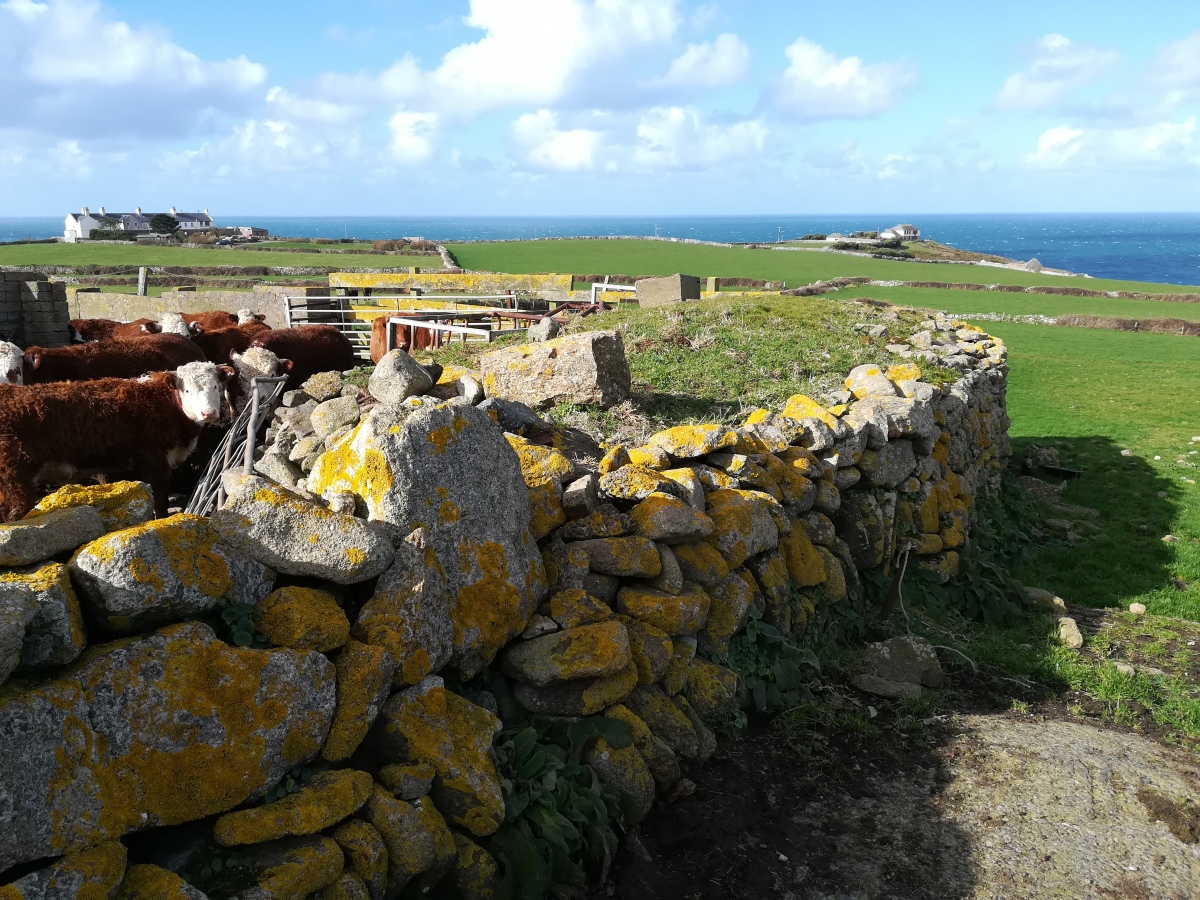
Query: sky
(590, 107)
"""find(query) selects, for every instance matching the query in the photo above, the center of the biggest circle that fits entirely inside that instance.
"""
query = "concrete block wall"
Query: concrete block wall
(33, 311)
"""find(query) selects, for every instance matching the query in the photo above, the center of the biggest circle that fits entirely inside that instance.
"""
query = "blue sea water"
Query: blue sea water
(1161, 247)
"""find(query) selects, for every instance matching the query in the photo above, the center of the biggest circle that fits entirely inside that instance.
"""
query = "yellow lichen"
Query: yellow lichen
(364, 850)
(146, 882)
(363, 675)
(121, 504)
(303, 618)
(691, 441)
(804, 565)
(702, 560)
(799, 406)
(327, 799)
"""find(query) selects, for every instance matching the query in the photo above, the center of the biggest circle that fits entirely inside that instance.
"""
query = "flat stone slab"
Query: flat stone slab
(34, 540)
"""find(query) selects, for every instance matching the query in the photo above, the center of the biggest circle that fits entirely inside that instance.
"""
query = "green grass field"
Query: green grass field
(794, 267)
(968, 302)
(133, 255)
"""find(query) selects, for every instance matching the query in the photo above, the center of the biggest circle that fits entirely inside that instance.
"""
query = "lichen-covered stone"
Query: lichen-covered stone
(731, 600)
(706, 741)
(147, 882)
(419, 467)
(91, 874)
(333, 414)
(771, 574)
(665, 720)
(625, 557)
(701, 562)
(365, 853)
(408, 782)
(744, 524)
(429, 724)
(689, 487)
(34, 540)
(605, 522)
(18, 606)
(566, 565)
(869, 381)
(347, 887)
(324, 801)
(798, 406)
(581, 497)
(637, 483)
(625, 771)
(666, 518)
(833, 588)
(713, 479)
(888, 466)
(416, 836)
(293, 867)
(55, 636)
(805, 567)
(650, 648)
(298, 536)
(573, 608)
(302, 618)
(615, 457)
(712, 691)
(692, 441)
(590, 651)
(684, 613)
(538, 463)
(659, 757)
(584, 697)
(364, 680)
(121, 504)
(164, 570)
(650, 456)
(674, 678)
(409, 613)
(583, 369)
(163, 729)
(670, 579)
(545, 508)
(475, 872)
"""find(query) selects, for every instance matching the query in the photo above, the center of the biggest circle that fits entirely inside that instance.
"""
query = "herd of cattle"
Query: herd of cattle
(130, 400)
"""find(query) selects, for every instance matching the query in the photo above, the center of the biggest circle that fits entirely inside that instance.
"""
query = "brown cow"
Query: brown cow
(311, 348)
(132, 331)
(84, 331)
(109, 359)
(220, 345)
(116, 427)
(213, 320)
(405, 338)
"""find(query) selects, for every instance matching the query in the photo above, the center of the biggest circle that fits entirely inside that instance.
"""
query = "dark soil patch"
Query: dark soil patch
(1183, 818)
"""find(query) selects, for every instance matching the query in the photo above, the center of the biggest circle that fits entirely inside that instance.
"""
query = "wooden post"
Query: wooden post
(142, 281)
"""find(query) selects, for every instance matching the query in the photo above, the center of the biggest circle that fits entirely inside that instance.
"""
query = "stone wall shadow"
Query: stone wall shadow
(1122, 554)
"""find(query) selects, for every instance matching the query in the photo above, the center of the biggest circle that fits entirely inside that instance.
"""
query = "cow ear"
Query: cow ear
(35, 359)
(226, 372)
(285, 365)
(196, 328)
(172, 380)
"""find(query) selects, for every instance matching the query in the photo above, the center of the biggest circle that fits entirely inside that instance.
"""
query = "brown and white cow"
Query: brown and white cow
(132, 331)
(311, 348)
(85, 331)
(116, 427)
(109, 359)
(12, 364)
(173, 323)
(220, 345)
(212, 320)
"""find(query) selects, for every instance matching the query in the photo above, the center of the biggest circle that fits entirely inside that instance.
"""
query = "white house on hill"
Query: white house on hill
(904, 232)
(79, 226)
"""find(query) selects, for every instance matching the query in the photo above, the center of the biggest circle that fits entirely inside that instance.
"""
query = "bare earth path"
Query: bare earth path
(1006, 805)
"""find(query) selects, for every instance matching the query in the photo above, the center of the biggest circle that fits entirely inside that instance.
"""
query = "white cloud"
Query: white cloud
(820, 85)
(677, 137)
(544, 146)
(414, 135)
(710, 65)
(1059, 67)
(1162, 146)
(288, 105)
(66, 66)
(1175, 72)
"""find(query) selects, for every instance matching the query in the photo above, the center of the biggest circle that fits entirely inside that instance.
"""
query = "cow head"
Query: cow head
(172, 323)
(200, 387)
(12, 364)
(254, 363)
(246, 316)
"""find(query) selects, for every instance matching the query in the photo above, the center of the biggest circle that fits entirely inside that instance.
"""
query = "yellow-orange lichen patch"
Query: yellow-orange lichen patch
(303, 618)
(327, 799)
(121, 504)
(799, 406)
(691, 441)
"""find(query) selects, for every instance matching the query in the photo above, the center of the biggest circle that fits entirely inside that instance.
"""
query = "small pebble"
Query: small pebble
(1124, 668)
(1138, 609)
(1158, 457)
(1169, 539)
(1127, 453)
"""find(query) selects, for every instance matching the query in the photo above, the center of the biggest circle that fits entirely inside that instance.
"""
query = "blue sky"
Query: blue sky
(384, 107)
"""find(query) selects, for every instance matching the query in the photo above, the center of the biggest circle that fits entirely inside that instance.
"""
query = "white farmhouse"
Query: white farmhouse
(79, 226)
(903, 232)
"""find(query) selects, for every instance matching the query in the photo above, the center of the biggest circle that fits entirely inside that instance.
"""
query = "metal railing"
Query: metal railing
(237, 447)
(355, 323)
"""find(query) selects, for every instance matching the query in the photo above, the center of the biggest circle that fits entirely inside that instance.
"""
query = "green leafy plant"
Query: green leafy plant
(559, 820)
(291, 783)
(239, 619)
(218, 872)
(772, 669)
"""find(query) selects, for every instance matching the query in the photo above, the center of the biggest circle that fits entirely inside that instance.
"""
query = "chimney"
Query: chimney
(138, 210)
(206, 210)
(85, 210)
(172, 210)
(102, 211)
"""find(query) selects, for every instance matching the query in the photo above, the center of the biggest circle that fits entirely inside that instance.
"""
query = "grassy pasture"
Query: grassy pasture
(968, 302)
(795, 267)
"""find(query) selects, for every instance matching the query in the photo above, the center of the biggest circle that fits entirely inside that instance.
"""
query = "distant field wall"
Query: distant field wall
(472, 283)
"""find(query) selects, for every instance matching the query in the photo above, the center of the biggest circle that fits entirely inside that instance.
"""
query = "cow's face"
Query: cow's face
(172, 323)
(12, 362)
(201, 386)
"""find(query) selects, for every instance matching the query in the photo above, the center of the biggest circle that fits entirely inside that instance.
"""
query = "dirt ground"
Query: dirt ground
(984, 804)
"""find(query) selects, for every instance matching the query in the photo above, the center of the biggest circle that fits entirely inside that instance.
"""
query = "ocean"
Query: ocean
(1160, 247)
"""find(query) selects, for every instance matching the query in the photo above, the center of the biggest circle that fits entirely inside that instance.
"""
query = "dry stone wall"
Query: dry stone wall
(302, 696)
(33, 311)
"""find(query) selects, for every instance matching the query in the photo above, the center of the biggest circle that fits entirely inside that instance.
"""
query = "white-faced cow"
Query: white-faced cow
(64, 433)
(12, 364)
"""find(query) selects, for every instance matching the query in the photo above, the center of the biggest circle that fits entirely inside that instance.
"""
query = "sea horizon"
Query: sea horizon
(1153, 247)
